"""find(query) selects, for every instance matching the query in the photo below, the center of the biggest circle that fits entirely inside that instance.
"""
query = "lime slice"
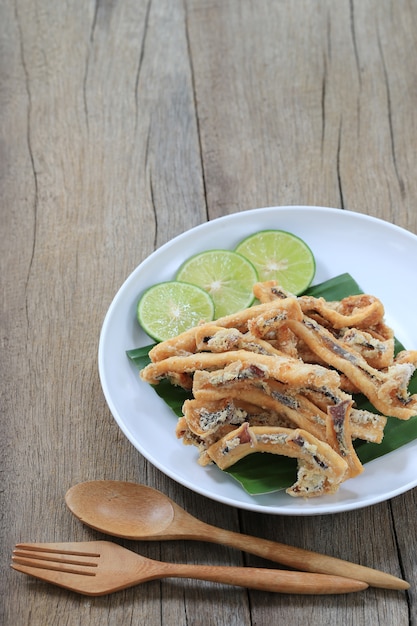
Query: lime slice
(226, 275)
(281, 256)
(168, 309)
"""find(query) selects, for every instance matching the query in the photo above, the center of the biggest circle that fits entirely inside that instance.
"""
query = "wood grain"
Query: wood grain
(123, 124)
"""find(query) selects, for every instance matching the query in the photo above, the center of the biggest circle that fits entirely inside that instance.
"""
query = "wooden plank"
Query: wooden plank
(308, 99)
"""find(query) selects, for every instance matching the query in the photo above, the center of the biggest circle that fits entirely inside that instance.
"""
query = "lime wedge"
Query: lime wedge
(281, 256)
(168, 309)
(226, 275)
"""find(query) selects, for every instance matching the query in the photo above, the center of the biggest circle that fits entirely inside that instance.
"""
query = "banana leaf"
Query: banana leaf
(263, 473)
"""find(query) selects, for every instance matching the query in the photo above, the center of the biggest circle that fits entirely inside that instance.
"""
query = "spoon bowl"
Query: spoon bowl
(121, 509)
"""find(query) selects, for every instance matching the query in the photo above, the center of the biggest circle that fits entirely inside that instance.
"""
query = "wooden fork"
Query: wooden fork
(97, 568)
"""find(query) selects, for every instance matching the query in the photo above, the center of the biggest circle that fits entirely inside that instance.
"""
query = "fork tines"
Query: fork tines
(57, 559)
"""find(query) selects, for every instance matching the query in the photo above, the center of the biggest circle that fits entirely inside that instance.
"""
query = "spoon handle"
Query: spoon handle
(280, 581)
(299, 558)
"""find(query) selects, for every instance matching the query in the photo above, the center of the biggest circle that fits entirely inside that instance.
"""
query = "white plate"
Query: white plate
(381, 257)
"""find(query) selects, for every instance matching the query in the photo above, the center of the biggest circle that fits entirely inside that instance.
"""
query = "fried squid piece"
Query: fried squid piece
(407, 356)
(206, 418)
(379, 353)
(364, 424)
(361, 311)
(283, 368)
(339, 436)
(386, 390)
(271, 327)
(185, 343)
(367, 426)
(273, 396)
(189, 438)
(205, 422)
(357, 320)
(270, 291)
(217, 339)
(320, 469)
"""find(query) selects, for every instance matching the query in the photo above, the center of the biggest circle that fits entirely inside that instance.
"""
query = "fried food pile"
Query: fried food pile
(279, 377)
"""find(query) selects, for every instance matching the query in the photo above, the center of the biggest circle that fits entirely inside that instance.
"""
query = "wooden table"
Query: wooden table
(124, 124)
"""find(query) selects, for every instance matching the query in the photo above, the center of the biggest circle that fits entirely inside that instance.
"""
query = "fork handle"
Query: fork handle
(306, 560)
(289, 556)
(280, 581)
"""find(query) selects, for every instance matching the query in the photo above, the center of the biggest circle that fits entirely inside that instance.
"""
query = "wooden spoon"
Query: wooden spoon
(133, 511)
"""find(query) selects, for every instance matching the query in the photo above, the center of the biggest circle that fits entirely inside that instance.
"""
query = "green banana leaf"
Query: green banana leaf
(263, 473)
